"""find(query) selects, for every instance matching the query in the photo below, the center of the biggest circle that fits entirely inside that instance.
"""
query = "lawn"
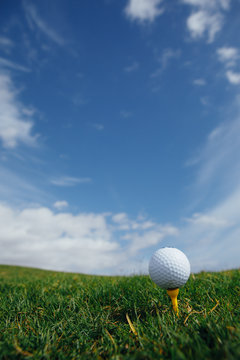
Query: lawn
(53, 315)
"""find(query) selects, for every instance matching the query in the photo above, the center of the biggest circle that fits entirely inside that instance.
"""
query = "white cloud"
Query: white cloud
(207, 17)
(69, 181)
(143, 10)
(85, 242)
(59, 205)
(199, 82)
(38, 237)
(233, 77)
(212, 4)
(201, 21)
(228, 56)
(34, 19)
(15, 126)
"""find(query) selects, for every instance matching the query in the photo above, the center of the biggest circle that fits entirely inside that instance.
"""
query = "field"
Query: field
(50, 315)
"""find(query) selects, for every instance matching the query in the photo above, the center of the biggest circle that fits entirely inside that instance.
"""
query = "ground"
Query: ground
(53, 315)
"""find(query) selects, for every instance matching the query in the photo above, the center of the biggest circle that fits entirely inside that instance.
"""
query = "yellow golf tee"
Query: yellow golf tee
(173, 293)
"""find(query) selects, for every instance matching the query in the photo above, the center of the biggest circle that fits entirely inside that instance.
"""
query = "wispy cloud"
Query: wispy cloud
(150, 238)
(218, 158)
(205, 100)
(79, 100)
(35, 20)
(131, 68)
(126, 114)
(15, 126)
(6, 42)
(17, 189)
(211, 235)
(211, 239)
(207, 18)
(143, 10)
(69, 181)
(199, 82)
(164, 60)
(123, 222)
(209, 221)
(97, 126)
(61, 204)
(4, 63)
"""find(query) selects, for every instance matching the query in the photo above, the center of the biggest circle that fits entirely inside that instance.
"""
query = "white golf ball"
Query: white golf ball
(169, 268)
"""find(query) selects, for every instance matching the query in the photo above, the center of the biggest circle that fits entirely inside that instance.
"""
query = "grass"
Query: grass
(50, 315)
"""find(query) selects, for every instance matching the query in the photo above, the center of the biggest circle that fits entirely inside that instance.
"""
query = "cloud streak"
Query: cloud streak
(69, 181)
(17, 190)
(4, 63)
(34, 20)
(211, 237)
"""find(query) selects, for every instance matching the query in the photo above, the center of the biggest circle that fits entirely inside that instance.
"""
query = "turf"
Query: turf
(49, 315)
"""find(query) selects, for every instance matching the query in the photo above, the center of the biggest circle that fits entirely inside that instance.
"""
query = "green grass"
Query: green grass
(49, 315)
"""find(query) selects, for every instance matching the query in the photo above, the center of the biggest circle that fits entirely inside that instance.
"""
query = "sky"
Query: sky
(119, 133)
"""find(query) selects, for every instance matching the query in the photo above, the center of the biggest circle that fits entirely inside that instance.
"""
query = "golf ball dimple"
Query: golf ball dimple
(169, 268)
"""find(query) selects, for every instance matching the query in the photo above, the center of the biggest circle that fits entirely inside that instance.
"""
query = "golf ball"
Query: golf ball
(169, 268)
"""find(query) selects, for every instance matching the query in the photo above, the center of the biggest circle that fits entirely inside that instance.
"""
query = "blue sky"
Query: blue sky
(119, 133)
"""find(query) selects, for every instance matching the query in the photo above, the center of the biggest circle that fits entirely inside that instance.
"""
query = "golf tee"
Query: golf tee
(173, 293)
